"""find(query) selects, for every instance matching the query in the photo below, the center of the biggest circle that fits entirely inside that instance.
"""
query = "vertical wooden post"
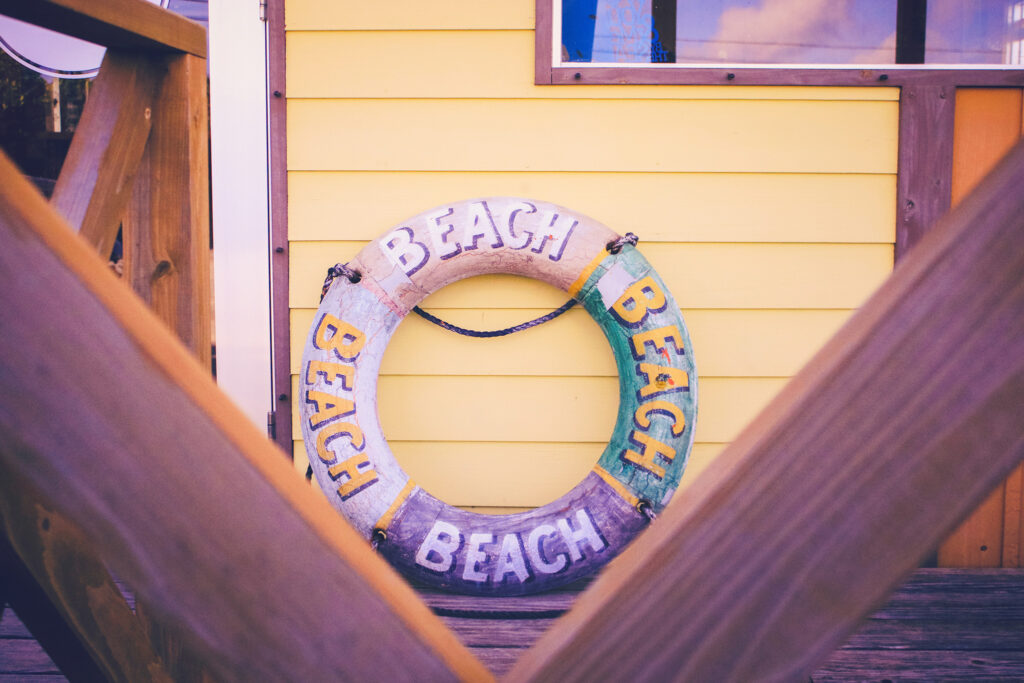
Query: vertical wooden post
(167, 226)
(926, 157)
(167, 254)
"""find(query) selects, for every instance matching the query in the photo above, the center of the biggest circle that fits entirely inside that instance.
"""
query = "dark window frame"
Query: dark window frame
(580, 73)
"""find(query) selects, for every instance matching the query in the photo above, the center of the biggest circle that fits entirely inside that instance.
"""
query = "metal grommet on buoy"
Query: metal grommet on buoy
(437, 544)
(644, 507)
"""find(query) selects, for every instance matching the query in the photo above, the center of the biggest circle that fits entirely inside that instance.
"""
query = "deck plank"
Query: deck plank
(847, 666)
(941, 624)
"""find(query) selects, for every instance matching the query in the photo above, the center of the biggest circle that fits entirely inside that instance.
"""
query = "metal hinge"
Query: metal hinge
(263, 10)
(272, 424)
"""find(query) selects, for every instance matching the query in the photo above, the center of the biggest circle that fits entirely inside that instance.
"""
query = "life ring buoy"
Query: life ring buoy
(437, 544)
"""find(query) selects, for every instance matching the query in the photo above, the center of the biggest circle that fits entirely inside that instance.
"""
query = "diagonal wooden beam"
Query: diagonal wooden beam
(99, 171)
(109, 415)
(891, 434)
(65, 595)
(125, 24)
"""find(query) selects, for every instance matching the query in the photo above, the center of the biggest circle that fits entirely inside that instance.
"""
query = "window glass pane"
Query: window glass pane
(973, 32)
(787, 31)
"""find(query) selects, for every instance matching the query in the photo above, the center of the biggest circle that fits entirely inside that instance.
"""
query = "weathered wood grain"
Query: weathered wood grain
(950, 632)
(130, 24)
(106, 411)
(891, 434)
(10, 625)
(97, 176)
(847, 666)
(26, 657)
(167, 226)
(926, 157)
(167, 257)
(65, 594)
(519, 633)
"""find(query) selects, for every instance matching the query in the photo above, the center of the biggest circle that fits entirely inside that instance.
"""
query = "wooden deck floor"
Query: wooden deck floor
(943, 624)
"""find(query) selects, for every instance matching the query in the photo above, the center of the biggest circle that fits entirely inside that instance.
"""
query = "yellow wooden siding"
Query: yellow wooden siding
(781, 136)
(726, 342)
(706, 207)
(770, 213)
(533, 409)
(699, 275)
(505, 475)
(491, 64)
(349, 15)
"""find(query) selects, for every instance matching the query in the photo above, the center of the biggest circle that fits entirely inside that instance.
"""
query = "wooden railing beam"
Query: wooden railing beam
(99, 172)
(125, 24)
(65, 595)
(895, 430)
(109, 415)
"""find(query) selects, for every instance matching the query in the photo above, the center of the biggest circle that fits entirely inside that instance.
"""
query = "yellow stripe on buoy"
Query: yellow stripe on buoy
(385, 520)
(619, 487)
(585, 275)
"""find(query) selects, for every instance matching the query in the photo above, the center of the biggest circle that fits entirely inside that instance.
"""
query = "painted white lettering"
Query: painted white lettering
(535, 550)
(510, 559)
(474, 556)
(585, 533)
(557, 232)
(403, 251)
(437, 552)
(480, 224)
(522, 239)
(439, 229)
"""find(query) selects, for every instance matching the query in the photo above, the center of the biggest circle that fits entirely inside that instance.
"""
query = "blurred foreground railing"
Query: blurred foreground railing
(138, 162)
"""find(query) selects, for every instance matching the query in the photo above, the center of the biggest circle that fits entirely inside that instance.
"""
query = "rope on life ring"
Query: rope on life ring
(435, 543)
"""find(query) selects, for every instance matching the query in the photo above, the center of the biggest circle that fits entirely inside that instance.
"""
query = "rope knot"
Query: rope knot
(615, 246)
(337, 270)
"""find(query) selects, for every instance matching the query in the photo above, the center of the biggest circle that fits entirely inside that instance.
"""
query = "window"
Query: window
(792, 32)
(780, 42)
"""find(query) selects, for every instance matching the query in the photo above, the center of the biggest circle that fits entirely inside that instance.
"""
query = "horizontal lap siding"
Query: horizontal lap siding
(769, 212)
(712, 207)
(777, 136)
